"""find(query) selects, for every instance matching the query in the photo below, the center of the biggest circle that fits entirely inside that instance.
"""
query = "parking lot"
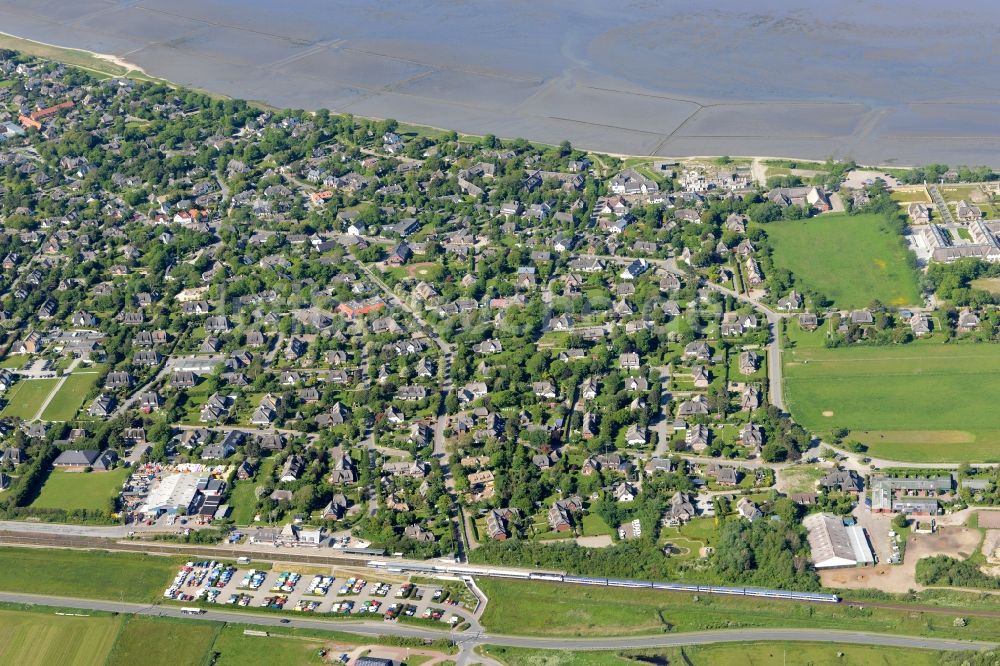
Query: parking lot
(312, 591)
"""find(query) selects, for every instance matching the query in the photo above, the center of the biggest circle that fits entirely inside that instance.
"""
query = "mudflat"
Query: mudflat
(882, 83)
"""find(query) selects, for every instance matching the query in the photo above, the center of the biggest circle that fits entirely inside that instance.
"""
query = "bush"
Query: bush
(947, 571)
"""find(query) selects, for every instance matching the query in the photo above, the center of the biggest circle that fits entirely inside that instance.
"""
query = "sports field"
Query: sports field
(918, 402)
(848, 258)
(69, 398)
(37, 639)
(24, 399)
(76, 490)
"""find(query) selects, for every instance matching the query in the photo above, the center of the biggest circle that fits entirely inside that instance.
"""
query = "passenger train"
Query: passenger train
(464, 570)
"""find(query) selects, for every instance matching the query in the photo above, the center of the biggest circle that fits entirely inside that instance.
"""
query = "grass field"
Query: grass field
(847, 258)
(76, 490)
(730, 654)
(69, 398)
(911, 195)
(99, 67)
(40, 639)
(563, 610)
(924, 403)
(243, 500)
(89, 574)
(801, 479)
(991, 285)
(235, 649)
(27, 396)
(594, 525)
(162, 642)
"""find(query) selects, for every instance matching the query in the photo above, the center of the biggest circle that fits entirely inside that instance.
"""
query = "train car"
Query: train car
(464, 571)
(816, 597)
(626, 582)
(583, 580)
(675, 587)
(521, 575)
(535, 575)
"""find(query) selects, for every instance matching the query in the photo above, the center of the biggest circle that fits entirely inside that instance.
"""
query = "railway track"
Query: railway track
(151, 547)
(8, 538)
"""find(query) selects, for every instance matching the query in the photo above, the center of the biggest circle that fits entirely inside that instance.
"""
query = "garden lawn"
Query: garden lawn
(847, 258)
(84, 573)
(567, 610)
(80, 490)
(594, 525)
(243, 500)
(162, 642)
(918, 402)
(69, 398)
(728, 654)
(30, 638)
(27, 396)
(991, 285)
(801, 478)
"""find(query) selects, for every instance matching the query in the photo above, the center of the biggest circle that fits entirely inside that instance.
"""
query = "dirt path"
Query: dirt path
(758, 171)
(52, 393)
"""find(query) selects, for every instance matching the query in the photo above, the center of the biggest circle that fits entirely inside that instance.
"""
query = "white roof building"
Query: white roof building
(171, 494)
(834, 544)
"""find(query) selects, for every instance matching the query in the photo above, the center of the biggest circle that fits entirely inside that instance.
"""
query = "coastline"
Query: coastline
(120, 67)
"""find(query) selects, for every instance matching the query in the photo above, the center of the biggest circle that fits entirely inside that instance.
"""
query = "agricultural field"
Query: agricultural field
(69, 398)
(730, 654)
(569, 611)
(919, 402)
(88, 574)
(31, 638)
(27, 396)
(162, 642)
(78, 490)
(847, 258)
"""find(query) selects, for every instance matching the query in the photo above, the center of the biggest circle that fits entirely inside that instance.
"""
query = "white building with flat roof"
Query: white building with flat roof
(171, 494)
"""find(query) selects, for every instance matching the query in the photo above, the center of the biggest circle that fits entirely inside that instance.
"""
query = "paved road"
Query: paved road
(738, 635)
(469, 640)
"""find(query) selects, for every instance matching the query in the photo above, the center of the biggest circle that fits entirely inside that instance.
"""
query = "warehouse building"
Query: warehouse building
(834, 544)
